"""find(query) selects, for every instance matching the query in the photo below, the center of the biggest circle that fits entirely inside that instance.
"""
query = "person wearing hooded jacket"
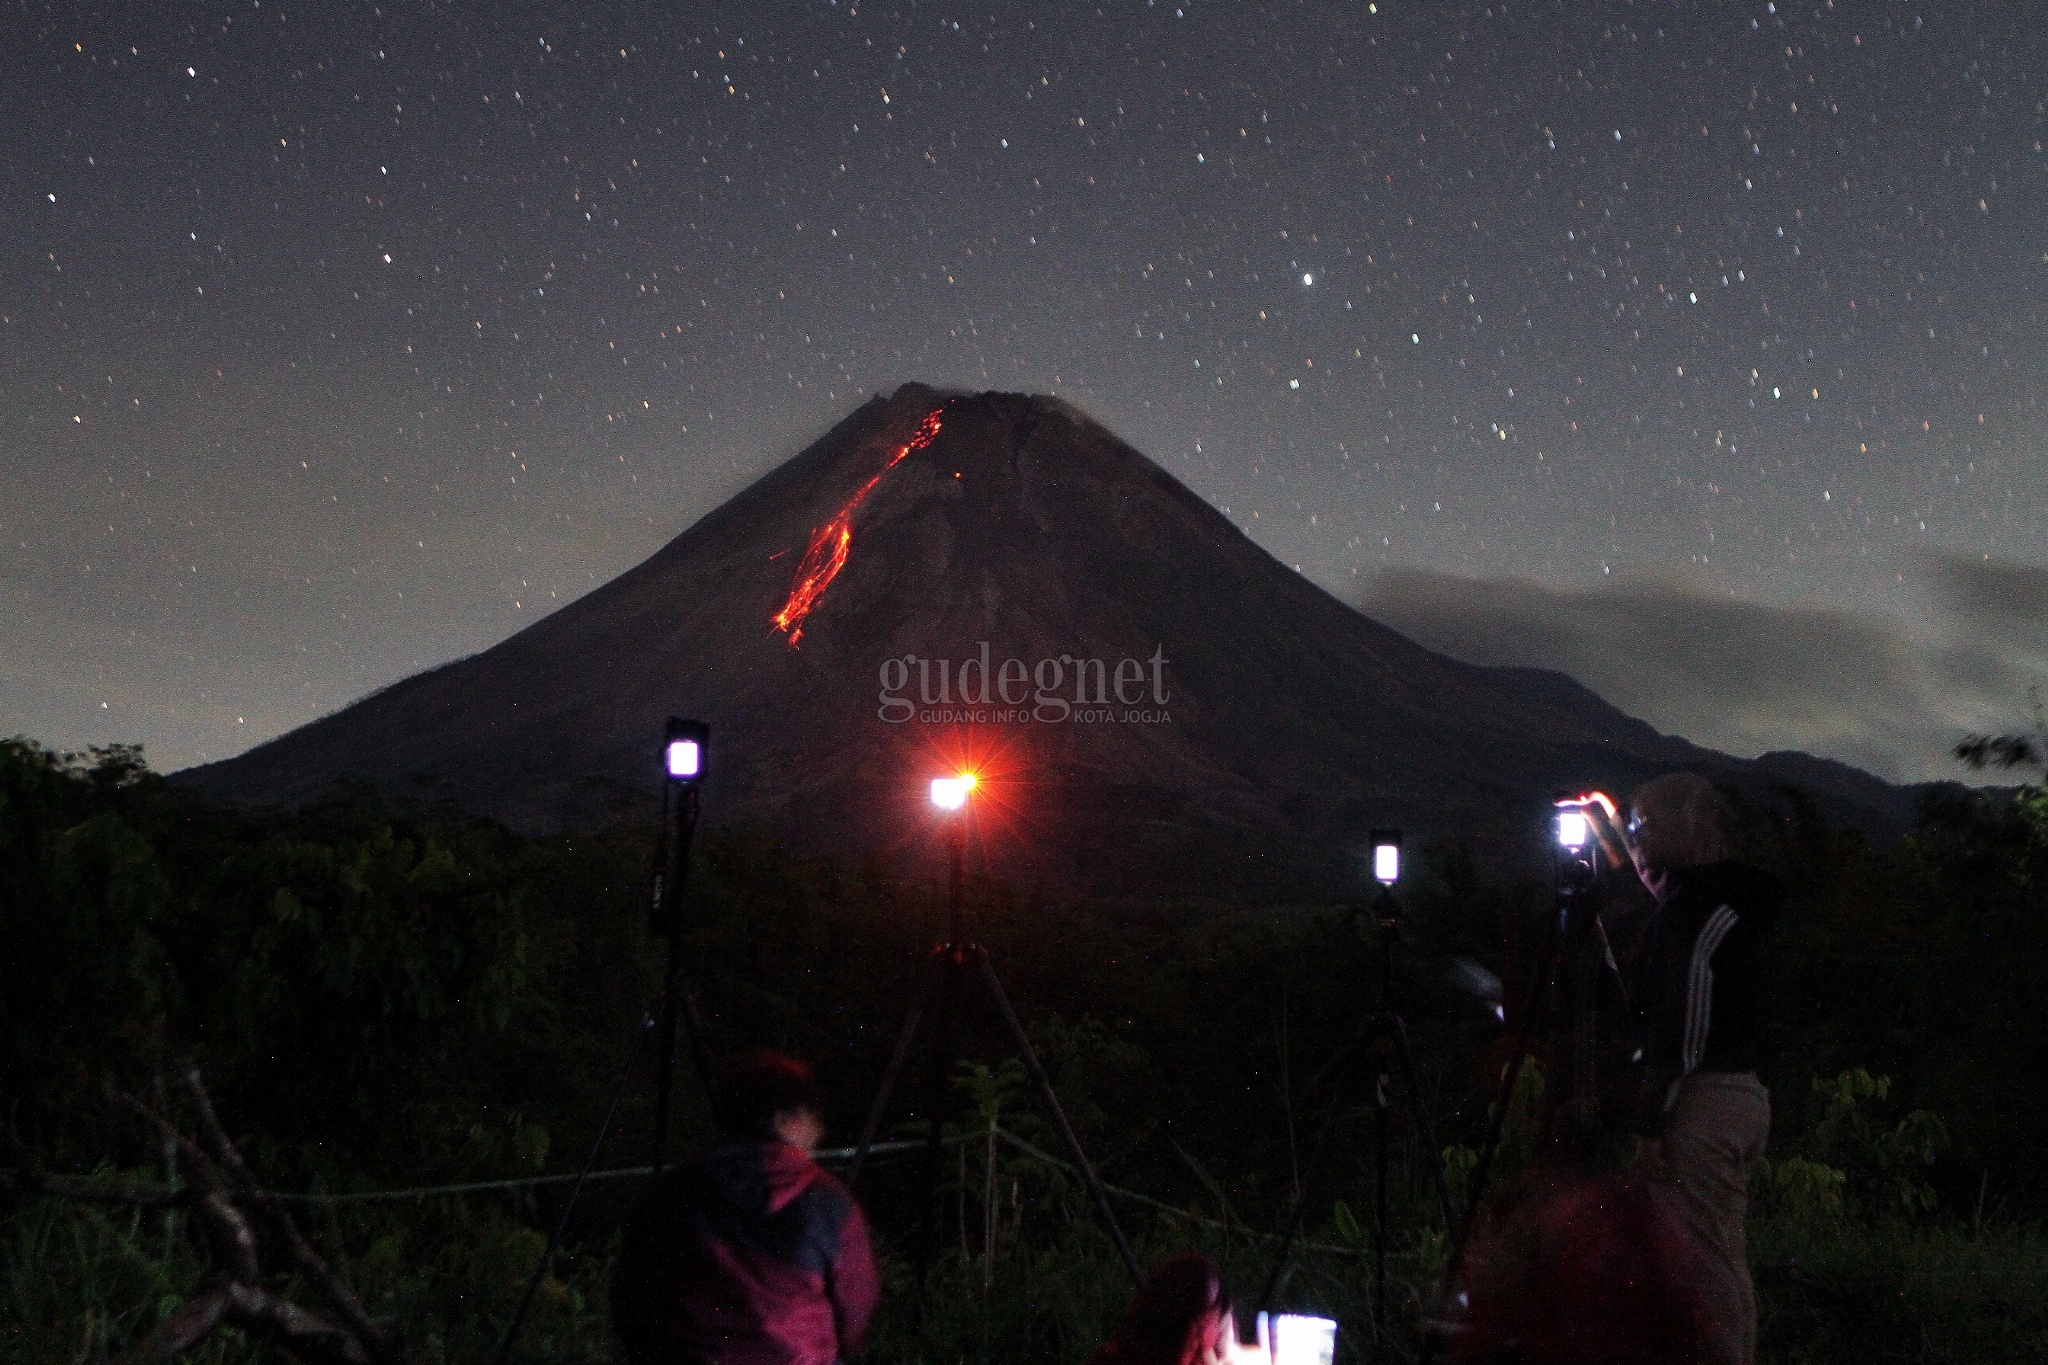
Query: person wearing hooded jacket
(1703, 1114)
(751, 1254)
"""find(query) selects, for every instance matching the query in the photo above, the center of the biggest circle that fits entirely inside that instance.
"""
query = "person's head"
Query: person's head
(1180, 1317)
(1675, 821)
(1597, 1272)
(769, 1096)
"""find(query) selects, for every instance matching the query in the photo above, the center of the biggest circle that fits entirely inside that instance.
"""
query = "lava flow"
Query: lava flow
(826, 555)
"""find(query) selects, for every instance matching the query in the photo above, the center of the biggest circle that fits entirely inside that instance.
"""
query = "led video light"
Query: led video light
(683, 750)
(1386, 856)
(950, 793)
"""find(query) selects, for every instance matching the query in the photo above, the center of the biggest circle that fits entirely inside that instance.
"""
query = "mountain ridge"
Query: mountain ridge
(1283, 723)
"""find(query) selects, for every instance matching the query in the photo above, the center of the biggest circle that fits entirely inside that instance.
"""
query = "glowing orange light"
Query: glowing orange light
(826, 554)
(1004, 807)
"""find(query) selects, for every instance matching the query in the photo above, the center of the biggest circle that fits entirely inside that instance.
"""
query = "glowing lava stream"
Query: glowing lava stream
(826, 555)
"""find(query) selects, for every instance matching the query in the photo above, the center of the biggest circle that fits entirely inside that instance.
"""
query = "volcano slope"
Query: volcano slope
(995, 581)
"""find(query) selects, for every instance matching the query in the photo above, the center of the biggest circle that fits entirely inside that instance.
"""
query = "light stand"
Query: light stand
(683, 752)
(947, 984)
(1382, 1036)
(683, 755)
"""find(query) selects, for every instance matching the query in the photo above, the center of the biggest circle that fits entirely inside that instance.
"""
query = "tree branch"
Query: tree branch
(228, 1199)
(179, 1332)
(311, 1339)
(86, 1190)
(2001, 751)
(338, 1295)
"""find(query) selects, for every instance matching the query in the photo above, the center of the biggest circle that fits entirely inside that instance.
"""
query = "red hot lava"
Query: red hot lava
(826, 555)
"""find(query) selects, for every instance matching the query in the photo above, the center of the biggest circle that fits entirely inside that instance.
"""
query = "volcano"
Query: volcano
(996, 583)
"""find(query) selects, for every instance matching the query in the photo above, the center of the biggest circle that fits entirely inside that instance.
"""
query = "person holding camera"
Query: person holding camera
(1183, 1316)
(751, 1254)
(1703, 1115)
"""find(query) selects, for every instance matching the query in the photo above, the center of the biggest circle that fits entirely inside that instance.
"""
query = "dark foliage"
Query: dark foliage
(385, 995)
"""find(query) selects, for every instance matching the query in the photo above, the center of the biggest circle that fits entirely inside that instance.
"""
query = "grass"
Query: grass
(1931, 1294)
(77, 1283)
(80, 1282)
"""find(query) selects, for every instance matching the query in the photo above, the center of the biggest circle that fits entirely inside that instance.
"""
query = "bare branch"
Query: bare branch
(179, 1332)
(85, 1190)
(231, 1235)
(226, 1196)
(306, 1337)
(208, 1175)
(338, 1295)
(210, 1125)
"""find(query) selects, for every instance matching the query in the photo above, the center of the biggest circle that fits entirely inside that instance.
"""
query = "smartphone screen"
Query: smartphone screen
(1298, 1339)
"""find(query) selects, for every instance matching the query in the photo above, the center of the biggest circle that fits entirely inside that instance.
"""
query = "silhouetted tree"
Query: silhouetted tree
(2028, 749)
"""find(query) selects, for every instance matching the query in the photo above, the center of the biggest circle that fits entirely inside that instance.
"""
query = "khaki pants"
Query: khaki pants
(1713, 1138)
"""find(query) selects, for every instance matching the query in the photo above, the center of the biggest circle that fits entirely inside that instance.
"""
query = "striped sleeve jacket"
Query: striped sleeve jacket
(1700, 981)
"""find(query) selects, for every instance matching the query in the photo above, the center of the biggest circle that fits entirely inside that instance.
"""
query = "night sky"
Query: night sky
(1697, 348)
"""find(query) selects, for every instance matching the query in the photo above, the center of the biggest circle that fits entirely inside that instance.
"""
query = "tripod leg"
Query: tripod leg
(681, 1001)
(1423, 1123)
(1379, 1236)
(949, 985)
(671, 993)
(547, 1256)
(1059, 1115)
(1308, 1175)
(1614, 976)
(1585, 1098)
(1524, 1036)
(889, 1078)
(700, 1051)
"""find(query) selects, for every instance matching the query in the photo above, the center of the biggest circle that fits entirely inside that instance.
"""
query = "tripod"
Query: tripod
(946, 986)
(1562, 1030)
(1383, 1035)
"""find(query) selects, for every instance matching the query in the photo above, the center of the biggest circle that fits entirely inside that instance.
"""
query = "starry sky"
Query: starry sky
(1697, 348)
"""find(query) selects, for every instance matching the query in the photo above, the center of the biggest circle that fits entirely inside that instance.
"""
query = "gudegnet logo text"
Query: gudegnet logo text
(1058, 689)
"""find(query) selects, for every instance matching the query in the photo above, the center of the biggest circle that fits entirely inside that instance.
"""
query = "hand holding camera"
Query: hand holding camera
(1296, 1339)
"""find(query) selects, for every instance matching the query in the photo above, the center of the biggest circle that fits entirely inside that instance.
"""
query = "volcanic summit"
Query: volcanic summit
(997, 582)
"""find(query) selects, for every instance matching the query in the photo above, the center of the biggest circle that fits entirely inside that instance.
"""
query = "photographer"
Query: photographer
(1703, 1115)
(751, 1254)
(1183, 1316)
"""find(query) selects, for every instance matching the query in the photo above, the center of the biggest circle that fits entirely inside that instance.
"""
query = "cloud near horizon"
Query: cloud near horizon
(1890, 694)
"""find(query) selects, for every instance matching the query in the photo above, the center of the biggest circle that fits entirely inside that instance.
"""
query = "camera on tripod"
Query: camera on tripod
(1589, 837)
(1587, 828)
(1573, 983)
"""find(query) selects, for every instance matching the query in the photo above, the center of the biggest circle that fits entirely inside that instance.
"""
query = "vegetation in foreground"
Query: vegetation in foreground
(386, 998)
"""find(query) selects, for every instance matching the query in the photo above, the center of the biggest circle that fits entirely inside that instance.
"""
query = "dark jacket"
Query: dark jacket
(749, 1255)
(1699, 980)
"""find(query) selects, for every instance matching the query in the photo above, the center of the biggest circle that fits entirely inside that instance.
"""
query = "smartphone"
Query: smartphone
(1297, 1339)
